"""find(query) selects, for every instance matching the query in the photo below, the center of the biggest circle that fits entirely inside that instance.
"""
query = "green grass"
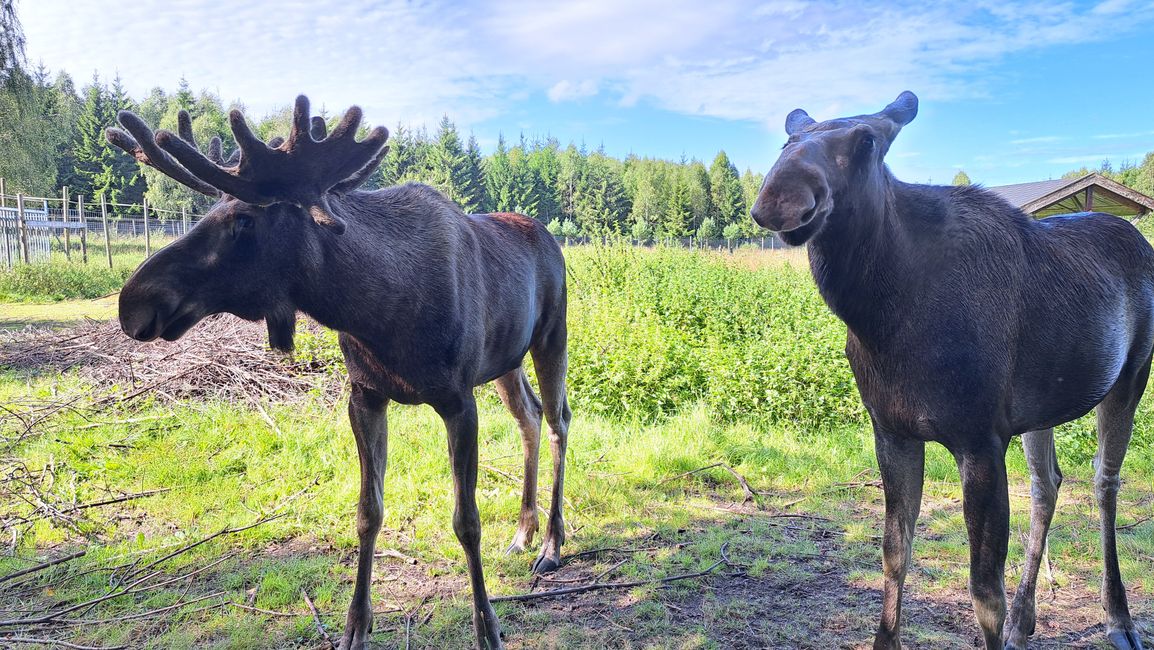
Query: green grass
(61, 278)
(679, 360)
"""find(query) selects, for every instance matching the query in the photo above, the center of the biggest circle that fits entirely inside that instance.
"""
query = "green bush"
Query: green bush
(655, 332)
(59, 280)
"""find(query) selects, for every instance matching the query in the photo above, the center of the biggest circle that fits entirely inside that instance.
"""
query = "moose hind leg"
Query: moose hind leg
(461, 424)
(551, 362)
(1045, 479)
(522, 402)
(367, 413)
(902, 463)
(1115, 424)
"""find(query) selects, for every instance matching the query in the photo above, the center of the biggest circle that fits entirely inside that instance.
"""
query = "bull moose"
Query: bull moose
(969, 323)
(429, 303)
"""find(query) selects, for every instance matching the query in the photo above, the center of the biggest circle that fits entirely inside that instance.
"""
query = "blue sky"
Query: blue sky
(1010, 91)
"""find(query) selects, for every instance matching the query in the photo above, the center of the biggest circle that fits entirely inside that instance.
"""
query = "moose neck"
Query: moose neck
(859, 263)
(343, 277)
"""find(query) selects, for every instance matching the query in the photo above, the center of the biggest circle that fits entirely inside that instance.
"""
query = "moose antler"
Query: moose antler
(301, 170)
(136, 139)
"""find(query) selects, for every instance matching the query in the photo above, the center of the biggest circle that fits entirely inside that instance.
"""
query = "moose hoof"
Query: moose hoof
(546, 564)
(515, 548)
(1125, 639)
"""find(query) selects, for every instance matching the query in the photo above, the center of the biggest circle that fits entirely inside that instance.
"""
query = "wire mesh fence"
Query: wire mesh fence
(35, 229)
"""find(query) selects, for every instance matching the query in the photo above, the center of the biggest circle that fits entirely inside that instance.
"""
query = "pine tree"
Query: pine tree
(729, 204)
(476, 198)
(961, 178)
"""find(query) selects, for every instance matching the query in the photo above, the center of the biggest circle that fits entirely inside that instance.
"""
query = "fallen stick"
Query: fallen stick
(317, 619)
(750, 493)
(606, 585)
(189, 547)
(41, 567)
(56, 642)
(121, 499)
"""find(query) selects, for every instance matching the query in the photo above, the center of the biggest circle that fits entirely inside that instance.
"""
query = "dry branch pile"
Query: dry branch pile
(223, 357)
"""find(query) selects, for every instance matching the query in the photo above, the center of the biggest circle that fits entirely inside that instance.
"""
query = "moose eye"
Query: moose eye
(241, 223)
(866, 144)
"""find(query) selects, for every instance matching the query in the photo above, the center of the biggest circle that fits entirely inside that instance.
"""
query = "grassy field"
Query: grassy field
(679, 361)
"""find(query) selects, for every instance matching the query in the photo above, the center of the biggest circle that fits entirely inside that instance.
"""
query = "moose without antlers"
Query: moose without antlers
(969, 323)
(429, 303)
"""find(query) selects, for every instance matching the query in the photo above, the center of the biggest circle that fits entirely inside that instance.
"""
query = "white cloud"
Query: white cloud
(565, 90)
(412, 61)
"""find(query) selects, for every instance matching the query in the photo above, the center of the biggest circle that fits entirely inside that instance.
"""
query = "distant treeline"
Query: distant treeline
(52, 135)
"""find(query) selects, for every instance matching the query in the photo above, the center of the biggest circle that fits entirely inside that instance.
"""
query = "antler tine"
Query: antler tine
(348, 124)
(228, 180)
(184, 127)
(301, 132)
(356, 180)
(137, 141)
(319, 130)
(216, 150)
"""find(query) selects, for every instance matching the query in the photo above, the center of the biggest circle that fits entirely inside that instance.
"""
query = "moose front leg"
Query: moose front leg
(367, 413)
(986, 508)
(461, 423)
(902, 465)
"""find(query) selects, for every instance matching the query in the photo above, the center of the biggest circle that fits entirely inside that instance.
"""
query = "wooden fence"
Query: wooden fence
(32, 229)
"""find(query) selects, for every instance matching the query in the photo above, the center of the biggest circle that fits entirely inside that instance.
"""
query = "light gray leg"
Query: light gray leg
(1045, 479)
(1115, 423)
(902, 465)
(367, 413)
(522, 402)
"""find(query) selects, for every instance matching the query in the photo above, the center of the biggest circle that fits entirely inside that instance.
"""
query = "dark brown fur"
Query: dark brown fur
(970, 323)
(429, 303)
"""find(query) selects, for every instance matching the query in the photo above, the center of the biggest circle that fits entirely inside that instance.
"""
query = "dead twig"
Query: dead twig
(189, 547)
(42, 566)
(317, 619)
(750, 493)
(553, 593)
(409, 620)
(56, 642)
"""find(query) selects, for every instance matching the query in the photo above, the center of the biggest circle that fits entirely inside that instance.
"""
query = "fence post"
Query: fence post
(184, 218)
(67, 231)
(83, 228)
(3, 193)
(104, 222)
(22, 226)
(147, 235)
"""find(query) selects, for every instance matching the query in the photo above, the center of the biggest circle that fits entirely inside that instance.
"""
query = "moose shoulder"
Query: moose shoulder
(429, 303)
(969, 323)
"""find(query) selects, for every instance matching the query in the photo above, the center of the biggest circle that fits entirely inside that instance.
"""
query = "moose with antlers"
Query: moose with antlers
(970, 323)
(429, 303)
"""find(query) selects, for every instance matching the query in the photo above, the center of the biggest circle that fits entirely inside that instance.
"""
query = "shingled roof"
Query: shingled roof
(1092, 192)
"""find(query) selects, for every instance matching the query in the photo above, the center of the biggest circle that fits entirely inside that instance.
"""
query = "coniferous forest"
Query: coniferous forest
(52, 136)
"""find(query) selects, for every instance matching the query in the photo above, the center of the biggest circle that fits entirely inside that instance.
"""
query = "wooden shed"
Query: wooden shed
(1090, 193)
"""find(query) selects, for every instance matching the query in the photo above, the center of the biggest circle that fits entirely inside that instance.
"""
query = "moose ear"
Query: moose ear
(796, 121)
(904, 109)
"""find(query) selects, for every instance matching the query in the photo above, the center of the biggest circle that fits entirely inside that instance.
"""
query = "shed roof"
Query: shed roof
(1090, 192)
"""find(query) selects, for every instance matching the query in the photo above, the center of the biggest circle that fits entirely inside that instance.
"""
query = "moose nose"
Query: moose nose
(783, 211)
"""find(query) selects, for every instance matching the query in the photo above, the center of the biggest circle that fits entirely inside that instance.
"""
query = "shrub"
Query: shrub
(59, 280)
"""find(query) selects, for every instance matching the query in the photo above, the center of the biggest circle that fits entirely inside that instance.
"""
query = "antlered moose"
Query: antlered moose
(970, 323)
(429, 303)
